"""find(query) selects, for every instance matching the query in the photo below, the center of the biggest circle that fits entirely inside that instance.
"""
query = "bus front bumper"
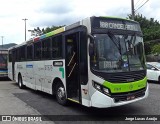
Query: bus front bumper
(101, 100)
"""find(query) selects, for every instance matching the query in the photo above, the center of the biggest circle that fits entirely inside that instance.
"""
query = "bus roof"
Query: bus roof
(62, 29)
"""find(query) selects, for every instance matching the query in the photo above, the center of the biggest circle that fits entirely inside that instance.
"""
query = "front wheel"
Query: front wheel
(20, 82)
(61, 94)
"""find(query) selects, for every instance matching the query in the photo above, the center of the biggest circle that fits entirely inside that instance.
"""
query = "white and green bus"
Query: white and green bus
(98, 61)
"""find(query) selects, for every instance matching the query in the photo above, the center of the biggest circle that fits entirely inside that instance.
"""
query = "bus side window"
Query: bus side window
(29, 52)
(37, 51)
(57, 47)
(10, 56)
(46, 44)
(22, 51)
(17, 54)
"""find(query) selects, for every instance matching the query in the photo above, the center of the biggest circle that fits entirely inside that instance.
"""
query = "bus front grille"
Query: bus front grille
(126, 77)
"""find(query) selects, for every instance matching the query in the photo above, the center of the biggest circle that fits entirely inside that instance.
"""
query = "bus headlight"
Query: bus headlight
(106, 91)
(101, 88)
(97, 86)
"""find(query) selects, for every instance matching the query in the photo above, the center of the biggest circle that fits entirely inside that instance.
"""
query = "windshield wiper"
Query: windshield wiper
(115, 41)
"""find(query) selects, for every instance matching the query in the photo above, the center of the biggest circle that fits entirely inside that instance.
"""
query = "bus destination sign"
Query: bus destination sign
(115, 25)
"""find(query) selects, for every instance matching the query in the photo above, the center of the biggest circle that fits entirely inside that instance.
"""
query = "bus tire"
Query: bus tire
(20, 82)
(61, 94)
(159, 79)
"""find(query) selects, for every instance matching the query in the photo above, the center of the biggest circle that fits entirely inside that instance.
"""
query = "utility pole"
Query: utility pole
(25, 27)
(132, 6)
(2, 41)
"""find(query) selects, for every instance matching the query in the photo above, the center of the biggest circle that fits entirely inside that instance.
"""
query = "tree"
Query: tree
(156, 49)
(36, 32)
(151, 31)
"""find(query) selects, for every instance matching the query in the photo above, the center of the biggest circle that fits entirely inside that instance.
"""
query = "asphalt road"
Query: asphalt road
(46, 104)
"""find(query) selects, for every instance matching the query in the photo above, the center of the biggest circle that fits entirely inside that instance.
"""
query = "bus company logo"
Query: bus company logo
(130, 80)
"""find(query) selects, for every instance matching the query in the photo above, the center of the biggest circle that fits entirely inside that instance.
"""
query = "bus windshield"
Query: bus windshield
(118, 53)
(3, 61)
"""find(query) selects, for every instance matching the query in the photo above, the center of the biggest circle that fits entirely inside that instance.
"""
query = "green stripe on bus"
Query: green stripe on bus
(125, 87)
(59, 30)
(49, 34)
(112, 17)
(62, 70)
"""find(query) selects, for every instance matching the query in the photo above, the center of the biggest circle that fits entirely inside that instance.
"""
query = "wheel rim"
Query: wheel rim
(61, 93)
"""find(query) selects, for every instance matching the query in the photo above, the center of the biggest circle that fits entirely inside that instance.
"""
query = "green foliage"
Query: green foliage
(156, 49)
(151, 31)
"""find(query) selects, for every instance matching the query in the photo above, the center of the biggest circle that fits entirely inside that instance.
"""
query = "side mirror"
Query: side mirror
(91, 45)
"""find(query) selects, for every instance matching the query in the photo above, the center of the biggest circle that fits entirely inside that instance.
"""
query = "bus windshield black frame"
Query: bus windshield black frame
(118, 53)
(125, 38)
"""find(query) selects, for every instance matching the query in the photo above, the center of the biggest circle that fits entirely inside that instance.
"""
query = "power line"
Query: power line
(142, 5)
(137, 2)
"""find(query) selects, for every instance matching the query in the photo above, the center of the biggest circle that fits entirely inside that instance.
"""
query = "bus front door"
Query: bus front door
(72, 69)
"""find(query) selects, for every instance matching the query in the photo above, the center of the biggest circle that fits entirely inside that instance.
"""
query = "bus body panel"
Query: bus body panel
(30, 75)
(40, 75)
(10, 74)
(85, 89)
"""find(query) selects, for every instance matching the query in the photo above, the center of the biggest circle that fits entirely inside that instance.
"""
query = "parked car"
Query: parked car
(153, 71)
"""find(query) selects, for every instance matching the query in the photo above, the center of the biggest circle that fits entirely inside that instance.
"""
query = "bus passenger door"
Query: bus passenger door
(72, 62)
(76, 63)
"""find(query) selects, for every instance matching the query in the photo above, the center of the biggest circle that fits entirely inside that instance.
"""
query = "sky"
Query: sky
(46, 13)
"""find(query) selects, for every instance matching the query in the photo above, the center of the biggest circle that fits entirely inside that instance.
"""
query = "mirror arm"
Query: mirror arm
(90, 36)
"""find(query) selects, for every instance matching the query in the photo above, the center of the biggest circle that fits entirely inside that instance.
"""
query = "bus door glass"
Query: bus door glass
(72, 62)
(76, 63)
